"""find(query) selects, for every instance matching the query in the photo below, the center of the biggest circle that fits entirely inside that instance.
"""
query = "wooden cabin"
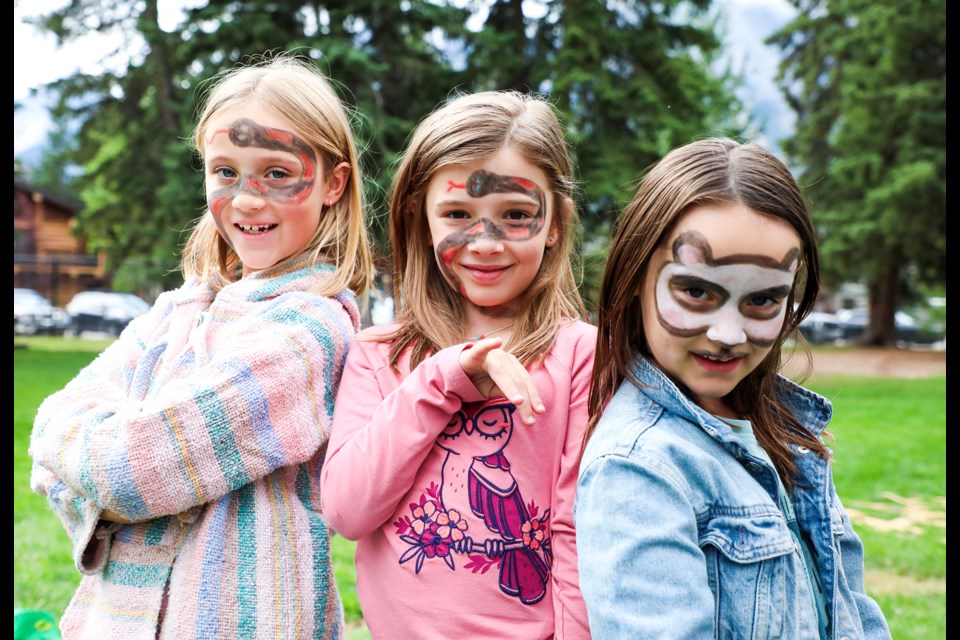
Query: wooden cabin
(47, 256)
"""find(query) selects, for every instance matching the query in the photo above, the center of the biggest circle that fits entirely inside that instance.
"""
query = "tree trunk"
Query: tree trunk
(883, 302)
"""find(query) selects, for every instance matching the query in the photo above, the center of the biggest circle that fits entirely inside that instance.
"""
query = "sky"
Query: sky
(38, 61)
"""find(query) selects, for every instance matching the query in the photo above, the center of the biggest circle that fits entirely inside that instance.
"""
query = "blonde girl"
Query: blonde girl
(184, 461)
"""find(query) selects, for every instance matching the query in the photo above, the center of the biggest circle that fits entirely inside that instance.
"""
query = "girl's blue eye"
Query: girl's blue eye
(225, 172)
(696, 293)
(277, 174)
(458, 215)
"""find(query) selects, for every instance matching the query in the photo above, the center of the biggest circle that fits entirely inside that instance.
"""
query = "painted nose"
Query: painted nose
(727, 329)
(248, 201)
(485, 244)
(249, 197)
(483, 238)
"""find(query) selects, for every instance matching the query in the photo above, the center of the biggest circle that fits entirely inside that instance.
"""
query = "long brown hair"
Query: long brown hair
(296, 90)
(466, 129)
(706, 172)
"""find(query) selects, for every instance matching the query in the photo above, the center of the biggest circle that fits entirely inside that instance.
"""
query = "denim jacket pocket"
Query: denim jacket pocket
(749, 555)
(747, 535)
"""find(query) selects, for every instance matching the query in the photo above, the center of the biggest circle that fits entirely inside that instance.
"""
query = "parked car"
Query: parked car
(854, 324)
(820, 327)
(34, 314)
(104, 311)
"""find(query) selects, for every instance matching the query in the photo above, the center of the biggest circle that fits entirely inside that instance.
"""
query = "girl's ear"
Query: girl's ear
(566, 213)
(336, 183)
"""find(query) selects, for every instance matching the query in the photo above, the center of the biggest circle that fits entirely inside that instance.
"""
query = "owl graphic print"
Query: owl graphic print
(477, 512)
(462, 513)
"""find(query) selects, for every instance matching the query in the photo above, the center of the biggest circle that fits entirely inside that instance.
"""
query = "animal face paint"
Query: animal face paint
(247, 133)
(734, 300)
(516, 225)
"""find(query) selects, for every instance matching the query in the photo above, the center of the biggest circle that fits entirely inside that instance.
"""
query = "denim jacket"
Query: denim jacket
(679, 534)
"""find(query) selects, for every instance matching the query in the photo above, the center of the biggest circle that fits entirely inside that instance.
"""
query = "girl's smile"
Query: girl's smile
(714, 300)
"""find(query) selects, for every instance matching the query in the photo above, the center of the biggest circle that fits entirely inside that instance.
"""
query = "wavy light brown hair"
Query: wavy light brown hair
(714, 171)
(296, 90)
(470, 128)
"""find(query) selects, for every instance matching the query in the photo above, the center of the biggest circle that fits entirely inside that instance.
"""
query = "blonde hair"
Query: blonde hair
(296, 90)
(712, 171)
(466, 129)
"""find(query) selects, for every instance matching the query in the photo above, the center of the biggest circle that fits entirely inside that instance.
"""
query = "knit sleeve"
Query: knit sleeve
(244, 402)
(80, 517)
(111, 373)
(380, 440)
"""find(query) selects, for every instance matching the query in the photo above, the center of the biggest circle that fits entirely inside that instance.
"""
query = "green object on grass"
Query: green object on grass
(33, 624)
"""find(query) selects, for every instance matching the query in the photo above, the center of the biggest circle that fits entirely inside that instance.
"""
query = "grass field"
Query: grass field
(890, 470)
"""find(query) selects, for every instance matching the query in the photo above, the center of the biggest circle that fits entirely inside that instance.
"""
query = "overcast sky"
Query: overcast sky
(37, 61)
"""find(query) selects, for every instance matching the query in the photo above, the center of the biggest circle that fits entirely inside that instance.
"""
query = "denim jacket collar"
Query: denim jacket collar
(809, 408)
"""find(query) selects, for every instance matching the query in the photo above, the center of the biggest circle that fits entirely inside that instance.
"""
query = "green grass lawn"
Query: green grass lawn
(890, 468)
(890, 440)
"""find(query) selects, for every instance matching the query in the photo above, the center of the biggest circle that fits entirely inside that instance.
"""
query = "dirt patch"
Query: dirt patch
(893, 513)
(883, 362)
(887, 583)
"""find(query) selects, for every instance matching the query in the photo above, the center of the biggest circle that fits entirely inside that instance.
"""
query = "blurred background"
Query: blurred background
(851, 93)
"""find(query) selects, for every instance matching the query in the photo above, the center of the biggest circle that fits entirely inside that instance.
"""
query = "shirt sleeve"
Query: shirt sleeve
(642, 572)
(261, 401)
(379, 440)
(570, 612)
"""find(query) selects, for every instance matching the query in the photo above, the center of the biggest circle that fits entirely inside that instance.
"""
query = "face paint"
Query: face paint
(734, 300)
(480, 184)
(246, 133)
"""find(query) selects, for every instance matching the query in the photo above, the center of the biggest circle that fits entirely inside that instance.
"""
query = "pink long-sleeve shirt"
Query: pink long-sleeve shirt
(464, 515)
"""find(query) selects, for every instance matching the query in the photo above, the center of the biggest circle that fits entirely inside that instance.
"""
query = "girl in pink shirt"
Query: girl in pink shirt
(455, 441)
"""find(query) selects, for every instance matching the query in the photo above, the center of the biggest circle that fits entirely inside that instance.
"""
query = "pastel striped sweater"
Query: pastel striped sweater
(206, 422)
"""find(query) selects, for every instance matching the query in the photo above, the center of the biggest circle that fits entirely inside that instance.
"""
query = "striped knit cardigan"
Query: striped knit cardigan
(206, 422)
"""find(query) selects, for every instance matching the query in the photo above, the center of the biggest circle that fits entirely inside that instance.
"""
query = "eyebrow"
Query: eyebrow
(684, 280)
(773, 292)
(688, 281)
(273, 156)
(504, 198)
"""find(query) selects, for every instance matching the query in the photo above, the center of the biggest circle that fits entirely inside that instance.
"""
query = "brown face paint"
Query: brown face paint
(726, 289)
(482, 183)
(247, 133)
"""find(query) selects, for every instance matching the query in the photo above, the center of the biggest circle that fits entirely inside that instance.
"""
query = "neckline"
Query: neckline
(481, 336)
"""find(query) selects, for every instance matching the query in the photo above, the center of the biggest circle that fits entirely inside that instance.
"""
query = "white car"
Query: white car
(33, 314)
(106, 312)
(820, 327)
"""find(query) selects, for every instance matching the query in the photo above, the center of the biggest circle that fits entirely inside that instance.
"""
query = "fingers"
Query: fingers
(472, 358)
(497, 373)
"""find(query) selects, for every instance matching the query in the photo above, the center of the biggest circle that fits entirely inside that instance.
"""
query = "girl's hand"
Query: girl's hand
(496, 373)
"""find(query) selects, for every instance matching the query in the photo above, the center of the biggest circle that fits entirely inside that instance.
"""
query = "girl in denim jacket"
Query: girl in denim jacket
(705, 503)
